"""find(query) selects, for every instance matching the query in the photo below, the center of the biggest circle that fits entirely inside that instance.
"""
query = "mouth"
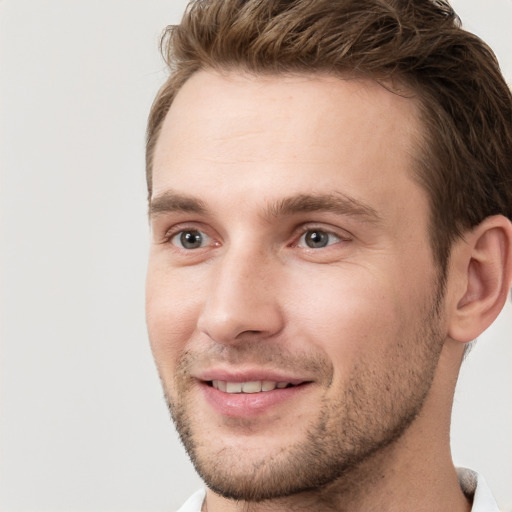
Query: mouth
(249, 387)
(236, 397)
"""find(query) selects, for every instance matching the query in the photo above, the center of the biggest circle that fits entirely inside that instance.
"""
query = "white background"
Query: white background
(83, 422)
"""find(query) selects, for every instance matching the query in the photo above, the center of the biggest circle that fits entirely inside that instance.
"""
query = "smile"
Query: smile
(256, 386)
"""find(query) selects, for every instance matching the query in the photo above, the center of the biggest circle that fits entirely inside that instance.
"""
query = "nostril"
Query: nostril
(249, 334)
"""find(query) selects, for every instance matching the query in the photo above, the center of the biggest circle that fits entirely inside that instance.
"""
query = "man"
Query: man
(330, 195)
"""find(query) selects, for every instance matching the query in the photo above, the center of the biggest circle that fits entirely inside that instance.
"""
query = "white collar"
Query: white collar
(476, 489)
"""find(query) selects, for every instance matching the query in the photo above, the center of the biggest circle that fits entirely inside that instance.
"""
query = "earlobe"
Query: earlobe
(487, 278)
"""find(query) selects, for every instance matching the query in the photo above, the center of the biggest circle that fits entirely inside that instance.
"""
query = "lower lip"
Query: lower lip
(245, 405)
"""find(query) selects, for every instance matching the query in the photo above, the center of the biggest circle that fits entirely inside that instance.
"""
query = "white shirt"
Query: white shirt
(473, 485)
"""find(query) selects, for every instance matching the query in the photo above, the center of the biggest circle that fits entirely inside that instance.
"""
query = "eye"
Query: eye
(317, 239)
(190, 239)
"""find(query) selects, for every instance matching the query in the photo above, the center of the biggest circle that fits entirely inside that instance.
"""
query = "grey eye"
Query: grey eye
(190, 239)
(317, 239)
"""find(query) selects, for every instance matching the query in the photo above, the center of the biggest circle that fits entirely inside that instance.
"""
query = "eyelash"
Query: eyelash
(312, 228)
(300, 233)
(179, 229)
(204, 238)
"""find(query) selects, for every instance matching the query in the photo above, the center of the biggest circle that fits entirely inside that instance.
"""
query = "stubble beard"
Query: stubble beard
(371, 413)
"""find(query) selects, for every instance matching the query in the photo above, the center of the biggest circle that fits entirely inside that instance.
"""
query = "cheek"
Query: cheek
(350, 316)
(172, 309)
(347, 301)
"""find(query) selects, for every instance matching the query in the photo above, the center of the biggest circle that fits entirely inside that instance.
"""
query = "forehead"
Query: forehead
(271, 133)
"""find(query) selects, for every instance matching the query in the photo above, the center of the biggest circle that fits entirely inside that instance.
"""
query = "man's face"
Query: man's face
(292, 299)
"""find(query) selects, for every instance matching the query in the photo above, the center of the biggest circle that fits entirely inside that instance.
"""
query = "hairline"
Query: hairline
(390, 83)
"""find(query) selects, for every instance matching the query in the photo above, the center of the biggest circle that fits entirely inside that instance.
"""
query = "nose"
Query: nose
(242, 300)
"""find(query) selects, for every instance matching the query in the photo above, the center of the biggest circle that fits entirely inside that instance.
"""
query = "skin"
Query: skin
(362, 319)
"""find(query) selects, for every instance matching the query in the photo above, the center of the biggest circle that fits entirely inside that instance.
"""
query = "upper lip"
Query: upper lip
(251, 375)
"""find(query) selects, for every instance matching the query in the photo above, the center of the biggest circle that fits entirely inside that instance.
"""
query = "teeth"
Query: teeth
(251, 387)
(234, 387)
(268, 385)
(248, 387)
(219, 384)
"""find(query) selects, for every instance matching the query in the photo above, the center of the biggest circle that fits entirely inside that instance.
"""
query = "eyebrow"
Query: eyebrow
(170, 201)
(338, 203)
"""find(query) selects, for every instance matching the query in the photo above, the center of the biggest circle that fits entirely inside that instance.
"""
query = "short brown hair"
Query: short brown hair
(465, 161)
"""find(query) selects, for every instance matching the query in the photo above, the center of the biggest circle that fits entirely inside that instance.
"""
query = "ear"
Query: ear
(484, 264)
